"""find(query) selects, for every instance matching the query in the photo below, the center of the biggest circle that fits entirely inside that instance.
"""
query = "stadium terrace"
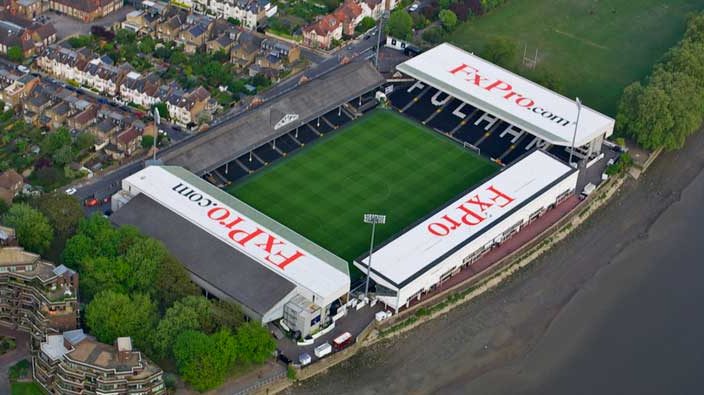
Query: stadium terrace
(521, 102)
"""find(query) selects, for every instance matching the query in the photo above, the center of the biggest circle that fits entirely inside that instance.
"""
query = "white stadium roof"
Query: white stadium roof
(420, 248)
(514, 99)
(243, 228)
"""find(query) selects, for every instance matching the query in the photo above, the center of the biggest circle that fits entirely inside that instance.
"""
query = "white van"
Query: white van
(323, 350)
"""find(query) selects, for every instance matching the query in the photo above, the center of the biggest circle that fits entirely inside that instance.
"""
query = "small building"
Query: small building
(11, 184)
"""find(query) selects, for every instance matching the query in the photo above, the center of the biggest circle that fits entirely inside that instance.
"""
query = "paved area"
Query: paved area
(10, 358)
(354, 322)
(67, 26)
(531, 329)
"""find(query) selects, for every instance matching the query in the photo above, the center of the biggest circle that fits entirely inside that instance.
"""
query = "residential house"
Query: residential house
(84, 119)
(35, 295)
(193, 38)
(15, 93)
(34, 107)
(244, 52)
(322, 33)
(17, 31)
(184, 107)
(169, 29)
(74, 363)
(64, 63)
(249, 12)
(124, 143)
(141, 90)
(290, 52)
(351, 13)
(104, 77)
(136, 21)
(86, 10)
(10, 184)
(103, 130)
(223, 42)
(58, 114)
(31, 8)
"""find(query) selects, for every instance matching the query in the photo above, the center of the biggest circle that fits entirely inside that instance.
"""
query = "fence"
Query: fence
(261, 383)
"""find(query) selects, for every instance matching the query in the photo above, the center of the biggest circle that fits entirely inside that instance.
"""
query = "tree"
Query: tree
(434, 35)
(172, 283)
(227, 315)
(365, 24)
(63, 212)
(163, 110)
(31, 226)
(400, 25)
(203, 361)
(255, 343)
(189, 313)
(448, 19)
(15, 54)
(143, 258)
(147, 141)
(501, 51)
(111, 315)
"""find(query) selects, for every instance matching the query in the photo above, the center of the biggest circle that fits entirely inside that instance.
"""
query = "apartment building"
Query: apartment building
(74, 363)
(86, 10)
(184, 107)
(249, 12)
(35, 295)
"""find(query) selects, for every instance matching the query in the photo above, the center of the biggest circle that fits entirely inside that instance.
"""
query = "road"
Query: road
(614, 309)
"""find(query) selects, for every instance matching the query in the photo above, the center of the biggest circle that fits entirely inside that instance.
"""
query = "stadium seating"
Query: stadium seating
(423, 107)
(286, 144)
(267, 153)
(400, 97)
(305, 134)
(337, 118)
(321, 126)
(232, 172)
(445, 121)
(252, 165)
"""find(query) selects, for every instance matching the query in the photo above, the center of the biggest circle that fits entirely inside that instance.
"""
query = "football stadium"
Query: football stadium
(266, 209)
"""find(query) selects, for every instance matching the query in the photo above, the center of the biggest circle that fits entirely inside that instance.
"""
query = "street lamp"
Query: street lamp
(157, 122)
(576, 125)
(372, 219)
(378, 38)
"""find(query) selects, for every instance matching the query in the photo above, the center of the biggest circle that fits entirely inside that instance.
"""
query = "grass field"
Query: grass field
(382, 163)
(30, 388)
(595, 48)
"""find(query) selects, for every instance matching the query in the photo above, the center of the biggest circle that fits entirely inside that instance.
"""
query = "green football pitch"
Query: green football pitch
(382, 163)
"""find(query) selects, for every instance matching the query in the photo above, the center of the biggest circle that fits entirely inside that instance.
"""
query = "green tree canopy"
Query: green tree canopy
(31, 226)
(400, 24)
(365, 24)
(255, 343)
(448, 19)
(111, 315)
(63, 212)
(501, 51)
(15, 54)
(189, 313)
(204, 361)
(172, 283)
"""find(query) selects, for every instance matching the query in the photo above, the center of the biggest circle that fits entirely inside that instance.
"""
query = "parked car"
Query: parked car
(91, 202)
(23, 69)
(413, 8)
(71, 191)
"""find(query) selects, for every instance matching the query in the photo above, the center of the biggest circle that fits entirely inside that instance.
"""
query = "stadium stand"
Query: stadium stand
(287, 144)
(266, 153)
(232, 171)
(495, 138)
(305, 134)
(212, 149)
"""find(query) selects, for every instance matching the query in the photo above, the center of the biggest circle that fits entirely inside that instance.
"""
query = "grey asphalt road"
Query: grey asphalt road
(614, 309)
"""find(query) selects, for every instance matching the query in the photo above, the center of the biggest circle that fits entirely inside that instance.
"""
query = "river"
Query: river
(614, 309)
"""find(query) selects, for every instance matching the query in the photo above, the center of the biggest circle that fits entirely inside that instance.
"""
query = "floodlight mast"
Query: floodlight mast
(372, 219)
(157, 122)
